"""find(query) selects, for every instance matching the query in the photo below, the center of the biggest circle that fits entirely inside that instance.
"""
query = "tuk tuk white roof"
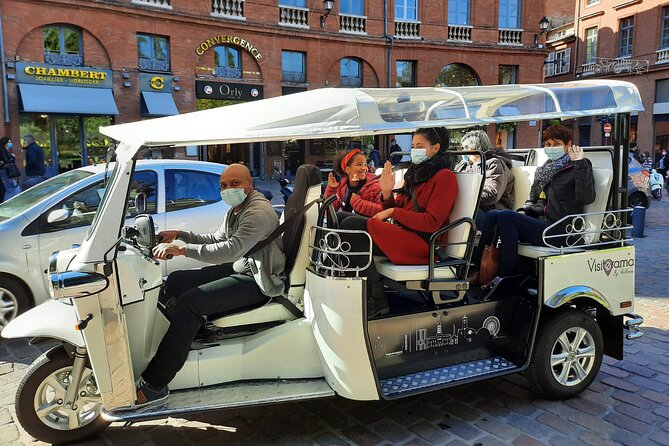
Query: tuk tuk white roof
(339, 112)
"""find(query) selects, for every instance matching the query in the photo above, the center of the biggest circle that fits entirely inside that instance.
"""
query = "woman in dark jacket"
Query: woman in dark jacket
(562, 186)
(358, 190)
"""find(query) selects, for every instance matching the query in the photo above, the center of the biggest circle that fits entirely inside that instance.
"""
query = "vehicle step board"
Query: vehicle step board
(437, 377)
(228, 396)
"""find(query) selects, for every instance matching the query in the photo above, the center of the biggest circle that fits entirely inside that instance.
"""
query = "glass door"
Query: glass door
(67, 142)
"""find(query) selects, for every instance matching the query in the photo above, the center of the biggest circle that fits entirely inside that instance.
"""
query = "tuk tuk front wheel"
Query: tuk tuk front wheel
(567, 354)
(40, 401)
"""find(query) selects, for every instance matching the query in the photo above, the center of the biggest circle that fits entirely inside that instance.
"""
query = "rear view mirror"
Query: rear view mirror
(146, 232)
(140, 203)
(58, 216)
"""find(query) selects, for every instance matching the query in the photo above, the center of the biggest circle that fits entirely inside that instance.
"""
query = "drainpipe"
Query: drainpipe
(3, 73)
(391, 40)
(576, 31)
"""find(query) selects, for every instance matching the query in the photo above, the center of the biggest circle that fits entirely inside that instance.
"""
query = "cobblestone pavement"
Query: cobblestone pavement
(627, 404)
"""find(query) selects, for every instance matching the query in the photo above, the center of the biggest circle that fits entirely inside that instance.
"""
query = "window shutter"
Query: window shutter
(567, 61)
(549, 66)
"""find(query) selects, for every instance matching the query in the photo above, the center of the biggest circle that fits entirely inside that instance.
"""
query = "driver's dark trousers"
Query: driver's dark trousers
(201, 292)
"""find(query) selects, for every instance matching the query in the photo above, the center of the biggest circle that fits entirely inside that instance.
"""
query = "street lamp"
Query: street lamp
(544, 23)
(328, 5)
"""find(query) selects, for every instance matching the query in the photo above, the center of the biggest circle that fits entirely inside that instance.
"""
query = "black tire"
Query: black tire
(638, 199)
(44, 367)
(14, 299)
(543, 376)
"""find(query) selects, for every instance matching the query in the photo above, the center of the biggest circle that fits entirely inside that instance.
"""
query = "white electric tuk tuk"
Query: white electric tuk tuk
(554, 323)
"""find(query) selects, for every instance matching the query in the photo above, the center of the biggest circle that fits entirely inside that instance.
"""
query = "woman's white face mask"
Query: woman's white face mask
(554, 153)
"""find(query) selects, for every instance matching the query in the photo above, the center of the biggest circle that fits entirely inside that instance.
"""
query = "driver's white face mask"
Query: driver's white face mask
(233, 196)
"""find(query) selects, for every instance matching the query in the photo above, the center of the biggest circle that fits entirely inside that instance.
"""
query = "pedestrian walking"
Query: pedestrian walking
(35, 167)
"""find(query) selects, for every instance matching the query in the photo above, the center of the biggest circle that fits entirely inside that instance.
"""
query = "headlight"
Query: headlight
(76, 284)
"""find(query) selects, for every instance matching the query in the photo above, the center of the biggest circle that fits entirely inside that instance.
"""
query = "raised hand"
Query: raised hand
(575, 153)
(332, 181)
(168, 236)
(387, 180)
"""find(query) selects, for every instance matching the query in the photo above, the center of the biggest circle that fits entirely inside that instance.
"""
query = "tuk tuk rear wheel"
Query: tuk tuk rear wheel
(567, 354)
(41, 410)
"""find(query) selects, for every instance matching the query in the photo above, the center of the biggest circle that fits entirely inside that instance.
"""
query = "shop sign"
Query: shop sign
(227, 90)
(160, 83)
(37, 73)
(225, 39)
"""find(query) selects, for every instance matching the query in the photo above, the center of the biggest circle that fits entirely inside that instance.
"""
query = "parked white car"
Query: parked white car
(56, 214)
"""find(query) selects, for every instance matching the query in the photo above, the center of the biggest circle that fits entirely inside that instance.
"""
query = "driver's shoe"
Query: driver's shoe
(148, 395)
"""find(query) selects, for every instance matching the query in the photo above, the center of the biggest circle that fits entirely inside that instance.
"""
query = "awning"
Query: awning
(158, 104)
(61, 99)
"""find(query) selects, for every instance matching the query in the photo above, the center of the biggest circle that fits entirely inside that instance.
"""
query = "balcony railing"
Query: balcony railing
(167, 4)
(354, 24)
(407, 29)
(662, 55)
(603, 65)
(231, 9)
(70, 60)
(459, 33)
(351, 81)
(153, 64)
(510, 37)
(293, 16)
(230, 73)
(293, 76)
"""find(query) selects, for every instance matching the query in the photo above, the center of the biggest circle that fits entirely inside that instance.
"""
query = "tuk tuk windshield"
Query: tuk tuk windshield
(109, 180)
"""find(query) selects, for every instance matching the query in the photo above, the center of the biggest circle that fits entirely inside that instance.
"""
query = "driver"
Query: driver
(223, 288)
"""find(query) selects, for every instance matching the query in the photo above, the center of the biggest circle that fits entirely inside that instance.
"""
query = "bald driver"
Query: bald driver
(233, 283)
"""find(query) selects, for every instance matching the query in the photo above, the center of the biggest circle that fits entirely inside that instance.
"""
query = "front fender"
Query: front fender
(52, 319)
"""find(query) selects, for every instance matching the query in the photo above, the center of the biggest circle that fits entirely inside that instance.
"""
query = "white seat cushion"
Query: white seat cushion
(543, 251)
(270, 312)
(403, 273)
(522, 183)
(469, 185)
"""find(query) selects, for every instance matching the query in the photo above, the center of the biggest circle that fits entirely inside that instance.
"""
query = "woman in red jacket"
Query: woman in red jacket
(358, 191)
(419, 208)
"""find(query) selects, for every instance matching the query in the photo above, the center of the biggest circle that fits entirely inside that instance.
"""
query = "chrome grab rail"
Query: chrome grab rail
(331, 255)
(632, 326)
(577, 230)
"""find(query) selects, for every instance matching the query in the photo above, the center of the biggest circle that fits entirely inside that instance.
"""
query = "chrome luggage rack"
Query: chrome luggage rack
(580, 231)
(330, 252)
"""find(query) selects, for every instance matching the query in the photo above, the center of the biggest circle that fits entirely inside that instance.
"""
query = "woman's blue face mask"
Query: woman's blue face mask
(554, 152)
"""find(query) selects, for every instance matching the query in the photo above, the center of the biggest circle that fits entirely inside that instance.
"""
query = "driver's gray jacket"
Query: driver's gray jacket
(237, 235)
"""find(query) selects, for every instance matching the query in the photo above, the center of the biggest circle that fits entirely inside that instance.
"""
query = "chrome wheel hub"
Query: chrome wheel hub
(9, 306)
(573, 356)
(50, 404)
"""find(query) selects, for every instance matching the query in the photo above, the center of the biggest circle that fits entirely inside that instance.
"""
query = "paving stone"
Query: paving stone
(591, 423)
(627, 423)
(489, 441)
(614, 370)
(660, 437)
(632, 398)
(417, 442)
(524, 440)
(498, 428)
(556, 423)
(630, 439)
(530, 426)
(657, 397)
(662, 411)
(391, 431)
(586, 406)
(8, 433)
(561, 440)
(462, 411)
(620, 384)
(330, 439)
(647, 383)
(464, 430)
(430, 433)
(594, 439)
(360, 435)
(636, 413)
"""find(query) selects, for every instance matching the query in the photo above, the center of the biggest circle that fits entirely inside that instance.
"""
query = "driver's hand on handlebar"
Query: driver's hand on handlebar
(168, 236)
(166, 251)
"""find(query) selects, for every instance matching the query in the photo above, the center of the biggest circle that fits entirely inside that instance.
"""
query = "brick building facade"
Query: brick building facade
(72, 65)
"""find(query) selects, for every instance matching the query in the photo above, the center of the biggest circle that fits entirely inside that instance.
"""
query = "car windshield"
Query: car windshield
(29, 198)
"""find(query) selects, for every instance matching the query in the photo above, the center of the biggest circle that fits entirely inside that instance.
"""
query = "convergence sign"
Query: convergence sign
(225, 39)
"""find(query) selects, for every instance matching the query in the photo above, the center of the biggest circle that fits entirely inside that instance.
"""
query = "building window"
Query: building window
(509, 14)
(355, 7)
(458, 12)
(591, 2)
(557, 62)
(406, 9)
(296, 3)
(62, 46)
(665, 27)
(351, 72)
(293, 66)
(591, 44)
(626, 32)
(457, 75)
(406, 73)
(508, 74)
(228, 62)
(154, 52)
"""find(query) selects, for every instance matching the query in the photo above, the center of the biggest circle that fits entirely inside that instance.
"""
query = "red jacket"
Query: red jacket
(405, 246)
(367, 202)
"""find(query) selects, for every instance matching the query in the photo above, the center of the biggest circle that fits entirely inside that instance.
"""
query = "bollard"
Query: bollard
(638, 221)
